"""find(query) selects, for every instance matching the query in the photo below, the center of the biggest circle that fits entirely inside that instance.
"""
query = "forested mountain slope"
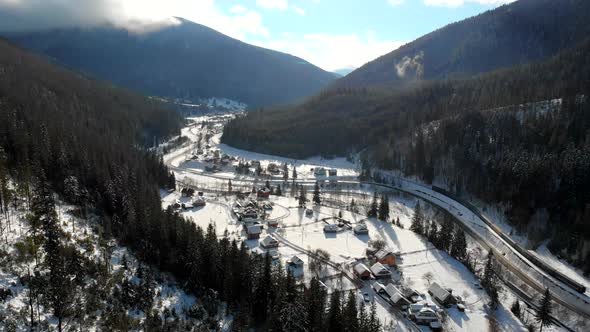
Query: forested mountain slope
(86, 138)
(535, 161)
(187, 61)
(513, 34)
(76, 146)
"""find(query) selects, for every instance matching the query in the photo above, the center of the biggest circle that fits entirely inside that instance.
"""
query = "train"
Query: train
(532, 258)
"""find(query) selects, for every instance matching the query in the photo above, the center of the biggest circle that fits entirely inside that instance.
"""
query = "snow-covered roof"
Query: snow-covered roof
(378, 287)
(331, 228)
(268, 240)
(397, 297)
(296, 260)
(391, 290)
(361, 268)
(361, 227)
(379, 269)
(438, 292)
(383, 253)
(254, 229)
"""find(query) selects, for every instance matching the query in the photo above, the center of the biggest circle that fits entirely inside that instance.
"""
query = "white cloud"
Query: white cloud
(136, 15)
(330, 51)
(457, 3)
(395, 2)
(238, 9)
(273, 4)
(298, 10)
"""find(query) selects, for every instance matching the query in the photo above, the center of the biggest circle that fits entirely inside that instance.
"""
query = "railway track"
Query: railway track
(519, 272)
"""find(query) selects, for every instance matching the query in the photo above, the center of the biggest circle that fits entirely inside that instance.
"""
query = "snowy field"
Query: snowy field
(306, 232)
(417, 256)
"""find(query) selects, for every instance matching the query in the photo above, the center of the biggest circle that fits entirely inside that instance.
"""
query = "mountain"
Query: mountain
(518, 137)
(187, 61)
(518, 33)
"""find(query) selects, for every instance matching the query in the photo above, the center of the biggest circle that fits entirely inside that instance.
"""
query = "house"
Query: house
(269, 242)
(379, 288)
(414, 296)
(333, 172)
(361, 229)
(319, 171)
(387, 257)
(263, 193)
(295, 262)
(199, 201)
(250, 213)
(253, 232)
(425, 316)
(274, 254)
(273, 169)
(362, 271)
(441, 295)
(331, 228)
(395, 296)
(380, 271)
(399, 300)
(187, 192)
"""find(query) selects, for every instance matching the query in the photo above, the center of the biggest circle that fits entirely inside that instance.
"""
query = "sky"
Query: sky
(332, 34)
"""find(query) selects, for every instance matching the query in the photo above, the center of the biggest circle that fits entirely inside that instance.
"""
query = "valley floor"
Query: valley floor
(300, 234)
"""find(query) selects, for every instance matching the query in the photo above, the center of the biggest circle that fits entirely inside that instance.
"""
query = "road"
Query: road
(530, 274)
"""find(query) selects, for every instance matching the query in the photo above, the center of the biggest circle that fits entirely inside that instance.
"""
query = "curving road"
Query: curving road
(525, 270)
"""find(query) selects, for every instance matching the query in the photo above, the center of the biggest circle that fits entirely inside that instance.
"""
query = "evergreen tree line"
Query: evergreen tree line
(477, 134)
(451, 239)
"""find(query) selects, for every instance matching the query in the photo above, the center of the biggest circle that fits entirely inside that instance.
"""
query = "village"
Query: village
(270, 206)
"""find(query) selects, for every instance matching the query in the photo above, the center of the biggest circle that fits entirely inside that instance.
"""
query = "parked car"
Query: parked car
(366, 297)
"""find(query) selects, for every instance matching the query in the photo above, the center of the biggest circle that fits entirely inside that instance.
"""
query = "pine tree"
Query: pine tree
(315, 302)
(279, 191)
(294, 176)
(261, 293)
(515, 308)
(302, 196)
(335, 314)
(488, 272)
(374, 325)
(432, 233)
(446, 234)
(384, 208)
(489, 281)
(353, 205)
(293, 317)
(543, 314)
(363, 319)
(373, 209)
(459, 247)
(350, 313)
(229, 187)
(316, 193)
(285, 172)
(417, 220)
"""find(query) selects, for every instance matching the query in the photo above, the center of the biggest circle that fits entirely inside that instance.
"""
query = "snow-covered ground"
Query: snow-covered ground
(345, 247)
(81, 233)
(418, 257)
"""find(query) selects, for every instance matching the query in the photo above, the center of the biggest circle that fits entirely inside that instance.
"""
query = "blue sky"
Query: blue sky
(336, 34)
(332, 34)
